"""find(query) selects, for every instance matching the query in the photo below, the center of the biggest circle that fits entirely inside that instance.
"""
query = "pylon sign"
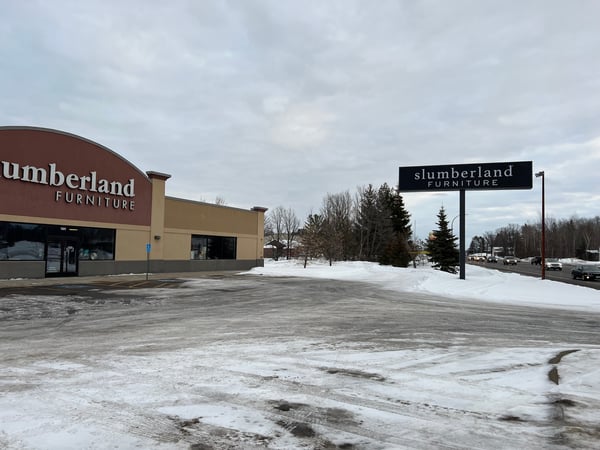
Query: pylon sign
(458, 177)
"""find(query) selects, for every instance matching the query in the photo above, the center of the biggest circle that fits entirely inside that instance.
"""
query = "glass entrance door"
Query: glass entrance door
(62, 257)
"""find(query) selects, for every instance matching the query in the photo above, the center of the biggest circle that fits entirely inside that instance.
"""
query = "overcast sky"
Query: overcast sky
(275, 103)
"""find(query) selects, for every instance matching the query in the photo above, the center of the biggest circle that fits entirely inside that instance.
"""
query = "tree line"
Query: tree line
(574, 237)
(372, 225)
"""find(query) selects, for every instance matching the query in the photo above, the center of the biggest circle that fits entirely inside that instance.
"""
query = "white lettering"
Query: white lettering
(103, 187)
(128, 189)
(5, 170)
(116, 188)
(72, 181)
(56, 177)
(93, 182)
(82, 183)
(34, 175)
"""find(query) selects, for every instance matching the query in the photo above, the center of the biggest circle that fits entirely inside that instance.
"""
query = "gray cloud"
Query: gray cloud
(278, 103)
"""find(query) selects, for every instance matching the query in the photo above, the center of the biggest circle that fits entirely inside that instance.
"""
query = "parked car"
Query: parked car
(510, 260)
(586, 272)
(492, 259)
(553, 264)
(537, 260)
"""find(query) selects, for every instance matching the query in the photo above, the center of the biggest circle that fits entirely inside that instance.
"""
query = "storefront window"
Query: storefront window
(96, 243)
(213, 247)
(22, 241)
(27, 241)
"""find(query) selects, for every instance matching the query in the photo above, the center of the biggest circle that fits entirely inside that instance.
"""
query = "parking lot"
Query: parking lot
(230, 361)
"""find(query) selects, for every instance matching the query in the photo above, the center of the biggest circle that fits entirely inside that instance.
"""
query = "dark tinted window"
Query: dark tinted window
(96, 243)
(22, 241)
(213, 247)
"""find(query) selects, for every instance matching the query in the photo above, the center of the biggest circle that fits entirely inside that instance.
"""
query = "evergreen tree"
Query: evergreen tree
(396, 250)
(442, 245)
(368, 224)
(312, 237)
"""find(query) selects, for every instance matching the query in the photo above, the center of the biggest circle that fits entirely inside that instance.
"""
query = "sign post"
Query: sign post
(148, 249)
(463, 177)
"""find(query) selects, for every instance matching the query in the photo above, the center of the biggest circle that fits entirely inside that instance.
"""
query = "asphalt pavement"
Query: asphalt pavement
(70, 322)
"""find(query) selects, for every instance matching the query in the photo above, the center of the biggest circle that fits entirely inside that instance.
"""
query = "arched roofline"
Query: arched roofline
(75, 136)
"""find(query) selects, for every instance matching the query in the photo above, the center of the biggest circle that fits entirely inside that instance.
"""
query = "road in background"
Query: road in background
(526, 268)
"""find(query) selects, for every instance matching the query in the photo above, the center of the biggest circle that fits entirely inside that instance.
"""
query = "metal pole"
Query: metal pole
(148, 249)
(543, 227)
(461, 249)
(541, 174)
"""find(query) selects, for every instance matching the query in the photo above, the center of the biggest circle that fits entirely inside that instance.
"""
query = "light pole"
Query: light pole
(452, 224)
(537, 175)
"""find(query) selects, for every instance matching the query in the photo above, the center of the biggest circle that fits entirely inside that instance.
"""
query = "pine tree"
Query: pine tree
(397, 250)
(312, 237)
(442, 245)
(368, 224)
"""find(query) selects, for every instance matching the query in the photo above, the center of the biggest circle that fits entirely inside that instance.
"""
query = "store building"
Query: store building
(69, 207)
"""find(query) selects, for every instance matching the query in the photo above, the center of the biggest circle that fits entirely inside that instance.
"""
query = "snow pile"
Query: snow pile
(480, 284)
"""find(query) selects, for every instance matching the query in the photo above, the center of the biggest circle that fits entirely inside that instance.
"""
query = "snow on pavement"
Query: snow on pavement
(481, 283)
(404, 397)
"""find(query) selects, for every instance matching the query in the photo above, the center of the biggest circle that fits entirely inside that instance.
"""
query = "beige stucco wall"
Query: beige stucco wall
(130, 244)
(157, 218)
(184, 218)
(177, 245)
(246, 248)
(68, 222)
(186, 214)
(175, 220)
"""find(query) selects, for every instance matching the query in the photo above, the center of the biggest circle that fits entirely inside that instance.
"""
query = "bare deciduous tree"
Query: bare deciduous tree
(291, 224)
(274, 225)
(337, 212)
(574, 237)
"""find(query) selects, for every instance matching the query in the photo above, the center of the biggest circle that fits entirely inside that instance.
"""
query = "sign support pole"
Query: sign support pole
(148, 250)
(461, 247)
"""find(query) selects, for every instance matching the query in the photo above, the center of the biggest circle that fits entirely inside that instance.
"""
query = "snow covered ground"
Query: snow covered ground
(480, 283)
(172, 389)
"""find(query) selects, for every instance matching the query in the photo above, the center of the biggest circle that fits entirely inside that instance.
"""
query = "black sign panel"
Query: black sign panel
(456, 177)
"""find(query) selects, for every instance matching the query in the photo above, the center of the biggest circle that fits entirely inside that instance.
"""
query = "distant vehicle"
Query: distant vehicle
(586, 272)
(477, 258)
(510, 260)
(553, 264)
(537, 260)
(492, 259)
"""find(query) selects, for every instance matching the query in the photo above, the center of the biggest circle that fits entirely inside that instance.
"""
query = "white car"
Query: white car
(553, 264)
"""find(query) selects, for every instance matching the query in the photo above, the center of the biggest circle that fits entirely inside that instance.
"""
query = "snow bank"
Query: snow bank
(480, 284)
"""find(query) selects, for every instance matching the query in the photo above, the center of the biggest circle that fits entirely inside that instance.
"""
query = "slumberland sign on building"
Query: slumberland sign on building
(458, 177)
(51, 174)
